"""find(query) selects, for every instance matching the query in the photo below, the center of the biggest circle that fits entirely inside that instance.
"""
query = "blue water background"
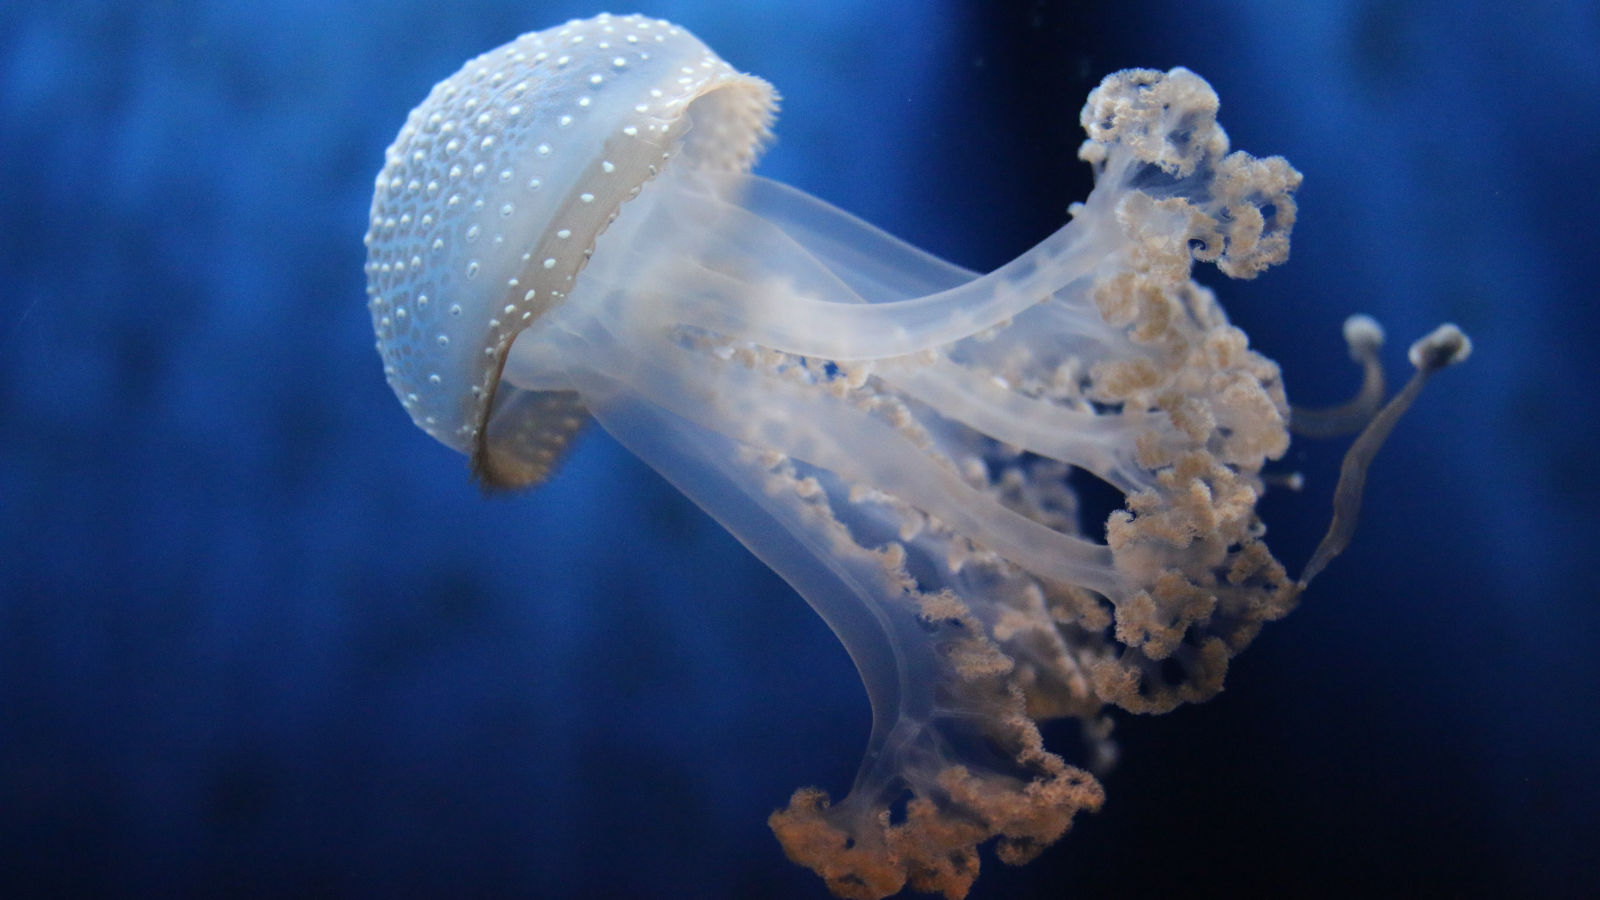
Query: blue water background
(260, 637)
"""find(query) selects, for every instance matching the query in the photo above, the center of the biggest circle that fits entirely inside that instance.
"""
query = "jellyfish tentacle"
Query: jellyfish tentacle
(878, 266)
(806, 421)
(837, 326)
(1364, 336)
(950, 738)
(1434, 352)
(1100, 444)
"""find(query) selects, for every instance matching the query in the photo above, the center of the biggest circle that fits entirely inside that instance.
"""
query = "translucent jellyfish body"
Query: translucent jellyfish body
(566, 228)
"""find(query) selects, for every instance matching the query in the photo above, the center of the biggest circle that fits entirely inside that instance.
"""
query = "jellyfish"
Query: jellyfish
(568, 229)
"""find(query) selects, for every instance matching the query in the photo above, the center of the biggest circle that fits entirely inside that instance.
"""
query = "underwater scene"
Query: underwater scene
(792, 450)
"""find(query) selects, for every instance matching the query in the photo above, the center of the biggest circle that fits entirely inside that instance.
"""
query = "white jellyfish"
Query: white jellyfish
(567, 228)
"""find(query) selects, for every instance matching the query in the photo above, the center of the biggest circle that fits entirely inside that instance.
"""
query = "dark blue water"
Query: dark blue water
(261, 637)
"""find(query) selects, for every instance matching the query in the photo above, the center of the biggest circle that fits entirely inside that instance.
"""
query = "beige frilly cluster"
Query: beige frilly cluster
(1189, 581)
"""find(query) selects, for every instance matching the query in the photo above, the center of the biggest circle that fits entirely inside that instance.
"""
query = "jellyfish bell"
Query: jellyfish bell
(493, 195)
(568, 228)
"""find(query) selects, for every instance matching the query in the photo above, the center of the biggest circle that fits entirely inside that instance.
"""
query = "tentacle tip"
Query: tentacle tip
(1289, 481)
(1364, 335)
(1440, 348)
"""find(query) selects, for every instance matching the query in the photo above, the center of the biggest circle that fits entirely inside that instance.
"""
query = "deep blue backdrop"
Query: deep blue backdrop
(261, 637)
